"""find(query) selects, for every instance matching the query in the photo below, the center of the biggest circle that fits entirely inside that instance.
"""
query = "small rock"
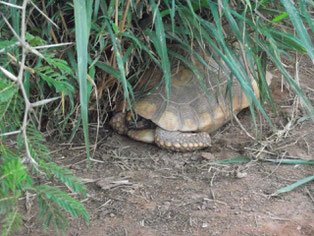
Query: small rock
(208, 156)
(204, 225)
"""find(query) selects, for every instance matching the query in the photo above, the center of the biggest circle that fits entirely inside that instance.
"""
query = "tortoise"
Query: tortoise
(184, 121)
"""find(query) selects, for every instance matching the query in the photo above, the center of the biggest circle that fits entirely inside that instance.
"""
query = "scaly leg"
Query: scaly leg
(179, 141)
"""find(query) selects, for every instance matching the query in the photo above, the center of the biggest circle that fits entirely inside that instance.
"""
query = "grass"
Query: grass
(288, 188)
(54, 54)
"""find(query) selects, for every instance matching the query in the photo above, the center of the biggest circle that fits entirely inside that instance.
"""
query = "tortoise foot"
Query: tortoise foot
(118, 123)
(143, 135)
(179, 141)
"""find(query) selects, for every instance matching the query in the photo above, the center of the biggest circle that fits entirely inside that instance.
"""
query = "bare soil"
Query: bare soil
(138, 189)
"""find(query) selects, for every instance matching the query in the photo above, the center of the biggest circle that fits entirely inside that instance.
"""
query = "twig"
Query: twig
(106, 203)
(44, 14)
(309, 193)
(277, 165)
(11, 5)
(98, 115)
(241, 126)
(19, 80)
(211, 186)
(13, 58)
(274, 217)
(22, 39)
(43, 102)
(8, 74)
(53, 45)
(29, 158)
(11, 133)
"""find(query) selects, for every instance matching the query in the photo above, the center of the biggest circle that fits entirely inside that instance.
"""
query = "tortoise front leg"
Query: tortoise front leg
(179, 141)
(142, 135)
(120, 124)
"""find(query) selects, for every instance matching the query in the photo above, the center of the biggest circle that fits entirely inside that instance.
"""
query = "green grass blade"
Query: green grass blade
(307, 15)
(161, 47)
(280, 17)
(293, 186)
(232, 60)
(141, 46)
(264, 88)
(96, 9)
(299, 27)
(172, 14)
(110, 70)
(286, 41)
(123, 80)
(232, 160)
(292, 161)
(75, 129)
(82, 35)
(297, 90)
(193, 68)
(233, 23)
(16, 18)
(304, 118)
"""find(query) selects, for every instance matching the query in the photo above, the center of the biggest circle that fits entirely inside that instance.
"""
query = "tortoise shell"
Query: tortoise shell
(195, 104)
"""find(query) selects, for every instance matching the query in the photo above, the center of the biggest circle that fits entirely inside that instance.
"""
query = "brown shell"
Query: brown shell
(189, 107)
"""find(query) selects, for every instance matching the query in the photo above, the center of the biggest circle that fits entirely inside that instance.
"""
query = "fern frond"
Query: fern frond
(12, 180)
(13, 175)
(49, 198)
(11, 106)
(11, 223)
(40, 153)
(38, 149)
(67, 177)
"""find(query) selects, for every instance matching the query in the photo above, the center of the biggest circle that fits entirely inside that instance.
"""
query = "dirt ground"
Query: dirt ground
(138, 189)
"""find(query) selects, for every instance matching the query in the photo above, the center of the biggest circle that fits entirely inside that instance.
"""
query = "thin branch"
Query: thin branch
(19, 80)
(53, 45)
(13, 58)
(44, 14)
(98, 115)
(43, 102)
(10, 133)
(29, 158)
(8, 74)
(241, 126)
(11, 5)
(22, 40)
